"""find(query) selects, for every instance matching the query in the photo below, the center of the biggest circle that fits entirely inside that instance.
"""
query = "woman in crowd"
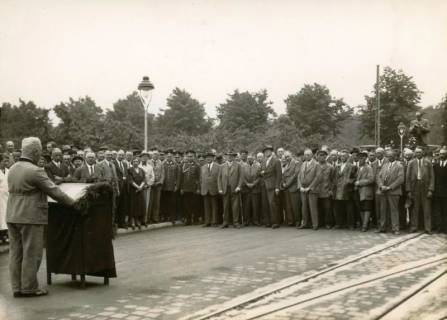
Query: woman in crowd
(3, 197)
(137, 184)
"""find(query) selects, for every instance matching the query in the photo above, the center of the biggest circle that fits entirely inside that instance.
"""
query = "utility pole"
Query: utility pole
(377, 127)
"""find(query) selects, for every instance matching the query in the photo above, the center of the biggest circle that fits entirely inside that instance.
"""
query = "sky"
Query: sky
(53, 50)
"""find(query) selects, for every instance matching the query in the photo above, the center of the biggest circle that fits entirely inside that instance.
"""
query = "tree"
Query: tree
(245, 110)
(82, 123)
(24, 120)
(399, 98)
(314, 111)
(184, 115)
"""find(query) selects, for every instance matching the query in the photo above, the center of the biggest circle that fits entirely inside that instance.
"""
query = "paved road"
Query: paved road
(175, 272)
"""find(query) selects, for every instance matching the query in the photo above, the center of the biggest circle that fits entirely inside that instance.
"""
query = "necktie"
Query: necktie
(419, 170)
(209, 168)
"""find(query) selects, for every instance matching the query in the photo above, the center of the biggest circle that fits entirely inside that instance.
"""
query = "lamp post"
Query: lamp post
(401, 129)
(145, 92)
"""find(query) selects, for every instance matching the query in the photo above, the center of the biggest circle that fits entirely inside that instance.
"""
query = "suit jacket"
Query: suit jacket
(344, 181)
(190, 177)
(29, 186)
(159, 173)
(440, 180)
(121, 171)
(391, 175)
(289, 180)
(107, 172)
(54, 172)
(377, 166)
(82, 174)
(208, 179)
(171, 176)
(427, 175)
(271, 174)
(251, 174)
(229, 176)
(365, 179)
(327, 178)
(309, 176)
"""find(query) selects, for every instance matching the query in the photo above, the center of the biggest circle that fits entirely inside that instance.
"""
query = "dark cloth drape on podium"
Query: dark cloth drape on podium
(81, 244)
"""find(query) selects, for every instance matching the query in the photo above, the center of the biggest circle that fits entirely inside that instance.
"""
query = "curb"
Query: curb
(5, 248)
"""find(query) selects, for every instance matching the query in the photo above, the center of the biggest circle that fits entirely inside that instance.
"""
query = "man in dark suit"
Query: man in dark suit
(289, 185)
(271, 174)
(209, 175)
(440, 171)
(229, 184)
(122, 200)
(326, 189)
(170, 185)
(26, 215)
(189, 185)
(56, 170)
(420, 185)
(389, 182)
(308, 184)
(251, 191)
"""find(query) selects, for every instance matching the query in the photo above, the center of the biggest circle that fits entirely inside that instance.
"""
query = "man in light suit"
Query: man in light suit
(155, 196)
(27, 214)
(289, 185)
(271, 174)
(88, 172)
(420, 185)
(308, 184)
(209, 175)
(251, 191)
(345, 174)
(389, 182)
(229, 183)
(364, 187)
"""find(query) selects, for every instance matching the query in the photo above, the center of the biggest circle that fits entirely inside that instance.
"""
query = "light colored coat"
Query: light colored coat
(230, 175)
(290, 176)
(28, 187)
(208, 179)
(309, 176)
(391, 175)
(365, 179)
(3, 198)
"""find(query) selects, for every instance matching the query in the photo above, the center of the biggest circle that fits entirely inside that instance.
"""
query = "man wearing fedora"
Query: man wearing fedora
(229, 183)
(209, 175)
(271, 174)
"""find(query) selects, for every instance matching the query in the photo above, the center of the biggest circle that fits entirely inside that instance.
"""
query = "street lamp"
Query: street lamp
(145, 92)
(401, 129)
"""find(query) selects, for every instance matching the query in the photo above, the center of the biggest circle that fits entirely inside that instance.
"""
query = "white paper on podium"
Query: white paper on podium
(74, 190)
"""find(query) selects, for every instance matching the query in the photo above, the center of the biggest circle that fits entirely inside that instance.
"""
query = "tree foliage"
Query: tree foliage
(184, 115)
(26, 119)
(245, 110)
(315, 112)
(82, 122)
(399, 99)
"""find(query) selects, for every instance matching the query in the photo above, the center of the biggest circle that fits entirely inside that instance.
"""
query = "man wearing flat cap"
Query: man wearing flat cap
(271, 176)
(26, 215)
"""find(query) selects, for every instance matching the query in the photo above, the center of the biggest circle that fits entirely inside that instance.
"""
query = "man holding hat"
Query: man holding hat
(229, 184)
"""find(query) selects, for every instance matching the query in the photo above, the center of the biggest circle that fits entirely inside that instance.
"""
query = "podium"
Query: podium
(79, 241)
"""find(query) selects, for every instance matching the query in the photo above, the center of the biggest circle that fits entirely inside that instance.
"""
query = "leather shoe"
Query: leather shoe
(275, 226)
(224, 226)
(38, 293)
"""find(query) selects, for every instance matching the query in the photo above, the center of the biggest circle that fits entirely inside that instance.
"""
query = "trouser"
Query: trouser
(357, 213)
(154, 205)
(231, 201)
(169, 199)
(389, 208)
(251, 204)
(281, 205)
(309, 202)
(200, 208)
(25, 255)
(420, 201)
(147, 202)
(344, 213)
(269, 206)
(293, 207)
(402, 211)
(210, 206)
(179, 212)
(122, 204)
(440, 214)
(189, 206)
(378, 198)
(325, 207)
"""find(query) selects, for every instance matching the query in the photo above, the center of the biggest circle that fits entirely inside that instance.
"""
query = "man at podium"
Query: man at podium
(26, 215)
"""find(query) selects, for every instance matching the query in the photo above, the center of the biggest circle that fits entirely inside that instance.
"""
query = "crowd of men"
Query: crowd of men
(354, 189)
